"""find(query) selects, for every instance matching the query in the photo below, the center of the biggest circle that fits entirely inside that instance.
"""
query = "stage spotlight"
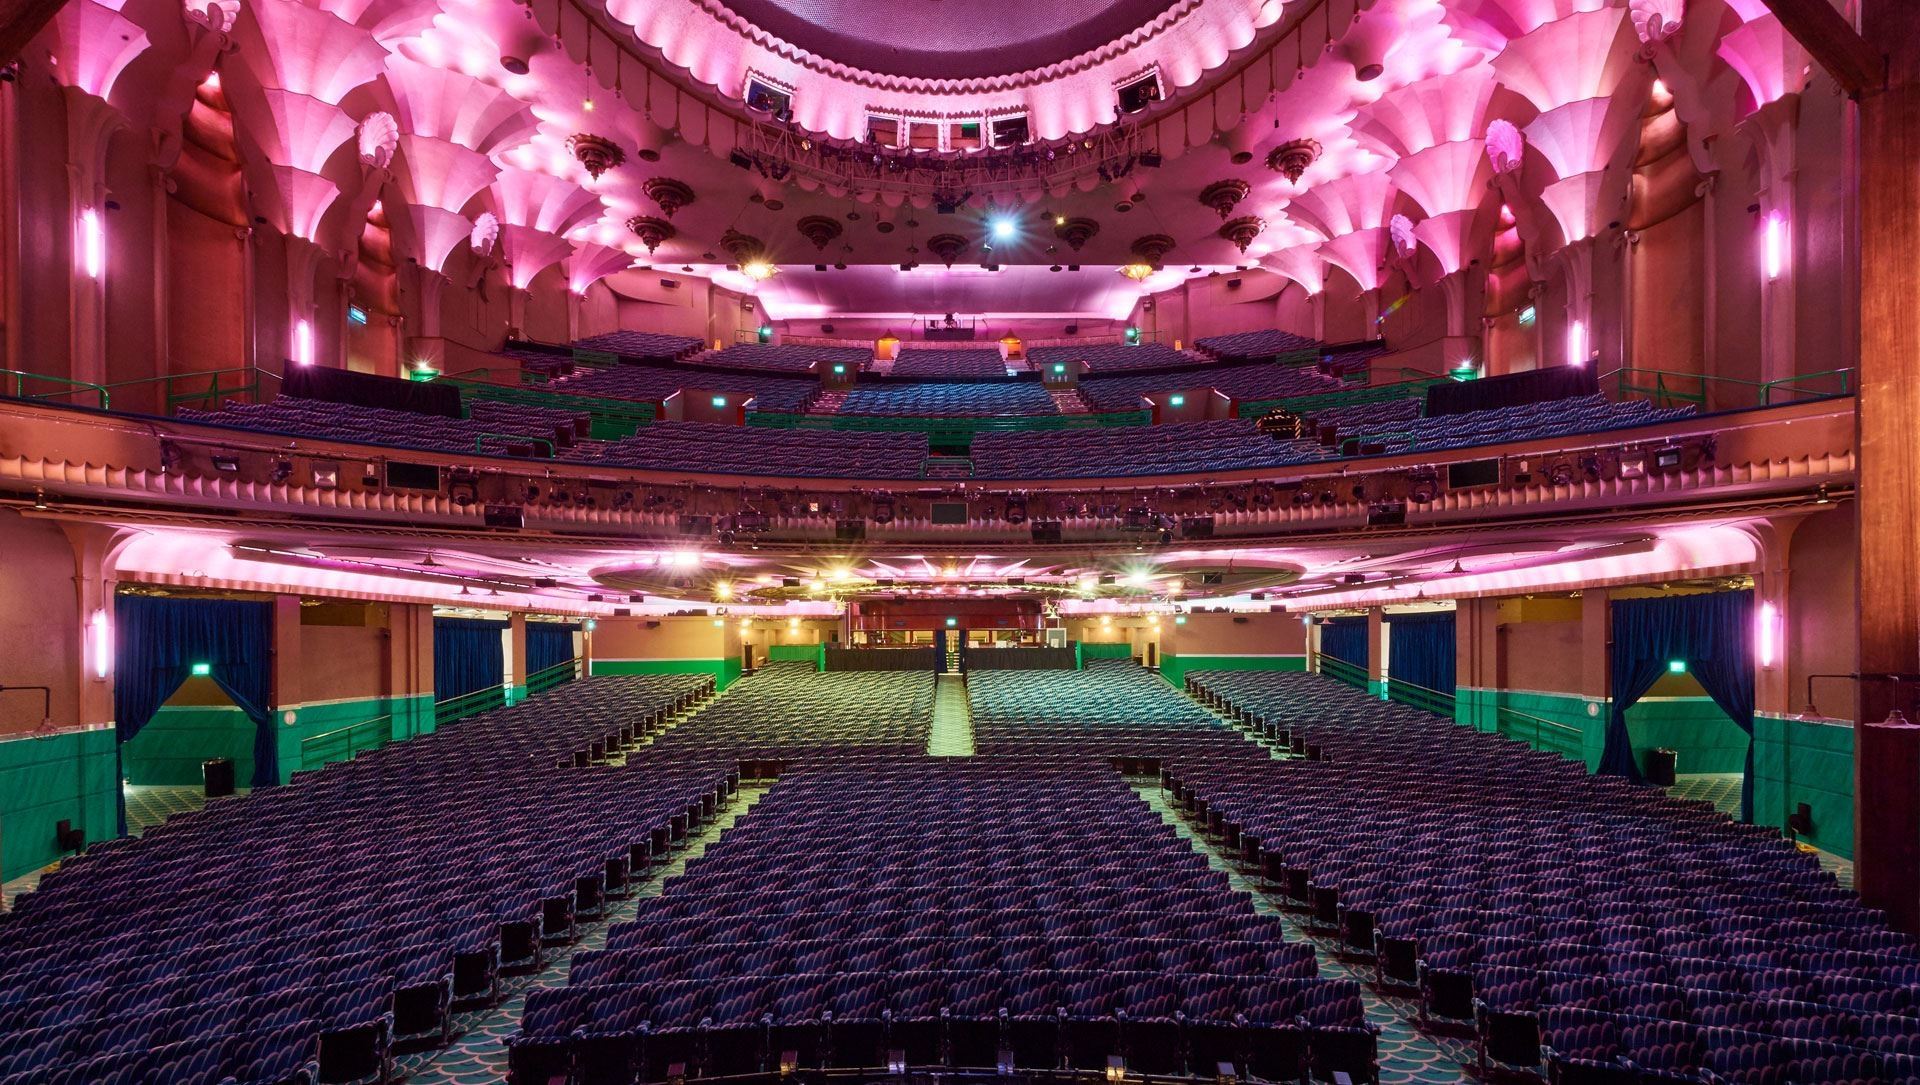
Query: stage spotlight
(1002, 229)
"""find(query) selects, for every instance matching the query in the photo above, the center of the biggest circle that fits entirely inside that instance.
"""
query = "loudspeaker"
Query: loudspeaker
(696, 525)
(507, 516)
(1196, 527)
(1801, 820)
(1046, 531)
(849, 530)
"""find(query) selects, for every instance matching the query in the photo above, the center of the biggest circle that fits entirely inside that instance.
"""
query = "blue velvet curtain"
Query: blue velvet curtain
(159, 639)
(1421, 651)
(467, 656)
(549, 644)
(1345, 639)
(1713, 634)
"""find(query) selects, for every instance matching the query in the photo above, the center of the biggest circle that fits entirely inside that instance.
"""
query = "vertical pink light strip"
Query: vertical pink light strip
(92, 244)
(97, 627)
(1773, 245)
(303, 343)
(1577, 343)
(1768, 635)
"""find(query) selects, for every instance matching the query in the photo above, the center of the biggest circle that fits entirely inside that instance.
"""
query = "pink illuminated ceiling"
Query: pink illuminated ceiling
(801, 293)
(1394, 98)
(948, 39)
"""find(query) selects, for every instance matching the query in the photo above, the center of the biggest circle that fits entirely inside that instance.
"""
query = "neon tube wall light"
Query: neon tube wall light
(92, 244)
(1767, 637)
(1577, 344)
(97, 630)
(303, 343)
(1773, 245)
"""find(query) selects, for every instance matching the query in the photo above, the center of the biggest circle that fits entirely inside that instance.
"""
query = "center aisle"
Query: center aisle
(952, 719)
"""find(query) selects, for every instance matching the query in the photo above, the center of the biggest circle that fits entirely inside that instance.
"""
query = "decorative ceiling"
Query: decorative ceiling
(1332, 142)
(948, 39)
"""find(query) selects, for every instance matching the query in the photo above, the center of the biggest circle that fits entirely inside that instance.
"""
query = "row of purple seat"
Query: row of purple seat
(1473, 872)
(902, 845)
(959, 363)
(306, 929)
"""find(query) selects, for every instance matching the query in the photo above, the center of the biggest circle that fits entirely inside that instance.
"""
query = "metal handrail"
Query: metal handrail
(548, 677)
(1502, 713)
(21, 376)
(1341, 671)
(512, 439)
(350, 750)
(1846, 384)
(463, 705)
(1424, 695)
(1666, 389)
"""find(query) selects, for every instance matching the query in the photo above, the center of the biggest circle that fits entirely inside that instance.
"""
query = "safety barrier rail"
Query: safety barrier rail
(346, 743)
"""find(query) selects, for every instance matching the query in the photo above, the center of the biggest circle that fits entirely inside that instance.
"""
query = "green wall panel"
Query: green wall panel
(794, 653)
(170, 748)
(724, 671)
(1112, 650)
(64, 776)
(1175, 668)
(1796, 761)
(412, 716)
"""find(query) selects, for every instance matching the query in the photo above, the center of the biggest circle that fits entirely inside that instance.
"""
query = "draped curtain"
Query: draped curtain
(1713, 635)
(467, 656)
(1423, 649)
(159, 639)
(549, 644)
(1345, 639)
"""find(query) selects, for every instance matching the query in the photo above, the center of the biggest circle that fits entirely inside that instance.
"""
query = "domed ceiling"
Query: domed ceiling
(949, 39)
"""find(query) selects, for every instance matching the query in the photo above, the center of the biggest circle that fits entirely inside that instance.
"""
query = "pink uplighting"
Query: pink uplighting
(303, 343)
(1577, 343)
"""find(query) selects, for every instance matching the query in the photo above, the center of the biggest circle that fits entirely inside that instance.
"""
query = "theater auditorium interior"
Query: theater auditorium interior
(948, 542)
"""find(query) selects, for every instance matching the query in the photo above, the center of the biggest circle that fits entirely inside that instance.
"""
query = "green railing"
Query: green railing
(510, 439)
(1320, 401)
(1540, 733)
(1671, 388)
(468, 704)
(345, 743)
(1431, 700)
(946, 432)
(18, 384)
(1341, 671)
(206, 391)
(557, 675)
(612, 419)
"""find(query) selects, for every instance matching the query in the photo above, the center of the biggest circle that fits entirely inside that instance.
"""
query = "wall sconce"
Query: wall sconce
(1767, 636)
(91, 242)
(102, 643)
(1773, 245)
